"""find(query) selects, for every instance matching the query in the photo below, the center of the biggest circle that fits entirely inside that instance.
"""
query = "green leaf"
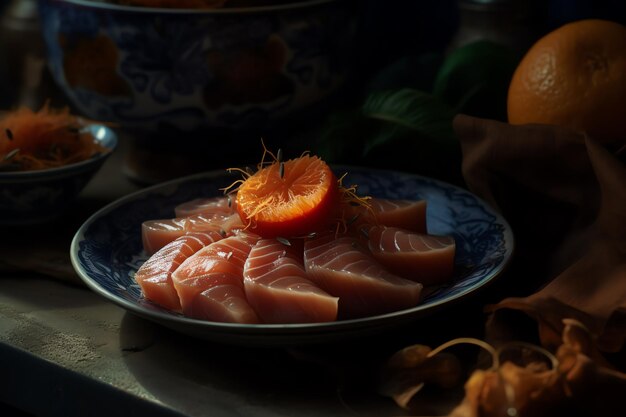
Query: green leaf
(426, 156)
(404, 129)
(426, 115)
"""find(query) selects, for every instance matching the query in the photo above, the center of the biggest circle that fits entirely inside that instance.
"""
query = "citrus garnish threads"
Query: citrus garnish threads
(292, 198)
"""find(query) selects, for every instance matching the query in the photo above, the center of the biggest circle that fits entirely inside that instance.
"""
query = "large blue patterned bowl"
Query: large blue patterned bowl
(150, 69)
(107, 251)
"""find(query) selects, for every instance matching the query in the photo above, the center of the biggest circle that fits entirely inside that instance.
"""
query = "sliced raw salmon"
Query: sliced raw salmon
(278, 289)
(224, 302)
(221, 204)
(343, 268)
(154, 276)
(427, 259)
(229, 224)
(157, 233)
(405, 214)
(210, 282)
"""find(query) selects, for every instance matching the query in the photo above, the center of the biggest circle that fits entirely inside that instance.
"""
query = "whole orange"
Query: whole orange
(574, 77)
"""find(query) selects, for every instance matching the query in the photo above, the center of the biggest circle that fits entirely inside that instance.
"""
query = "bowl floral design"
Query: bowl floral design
(192, 69)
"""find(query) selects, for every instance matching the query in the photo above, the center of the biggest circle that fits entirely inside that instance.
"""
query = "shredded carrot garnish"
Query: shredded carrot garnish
(350, 196)
(44, 139)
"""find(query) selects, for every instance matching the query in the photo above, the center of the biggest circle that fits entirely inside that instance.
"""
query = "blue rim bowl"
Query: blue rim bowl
(30, 197)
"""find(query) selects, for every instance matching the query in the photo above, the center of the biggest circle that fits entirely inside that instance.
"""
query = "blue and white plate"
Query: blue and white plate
(107, 251)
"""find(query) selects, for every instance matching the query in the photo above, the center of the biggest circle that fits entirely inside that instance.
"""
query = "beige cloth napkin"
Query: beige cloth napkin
(565, 197)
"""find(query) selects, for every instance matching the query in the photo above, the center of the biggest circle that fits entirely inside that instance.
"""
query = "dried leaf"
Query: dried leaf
(524, 381)
(590, 386)
(408, 370)
(577, 383)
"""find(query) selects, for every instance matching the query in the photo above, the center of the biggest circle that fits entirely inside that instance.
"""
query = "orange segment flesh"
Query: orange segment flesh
(302, 200)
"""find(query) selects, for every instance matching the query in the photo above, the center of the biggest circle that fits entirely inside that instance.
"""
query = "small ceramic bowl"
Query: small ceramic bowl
(30, 197)
(152, 69)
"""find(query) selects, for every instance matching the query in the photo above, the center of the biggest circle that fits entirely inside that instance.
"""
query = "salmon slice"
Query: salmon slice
(343, 268)
(210, 282)
(224, 303)
(404, 214)
(278, 289)
(157, 233)
(155, 275)
(229, 224)
(221, 204)
(427, 259)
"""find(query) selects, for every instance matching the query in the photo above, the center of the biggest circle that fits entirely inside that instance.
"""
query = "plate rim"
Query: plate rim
(287, 328)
